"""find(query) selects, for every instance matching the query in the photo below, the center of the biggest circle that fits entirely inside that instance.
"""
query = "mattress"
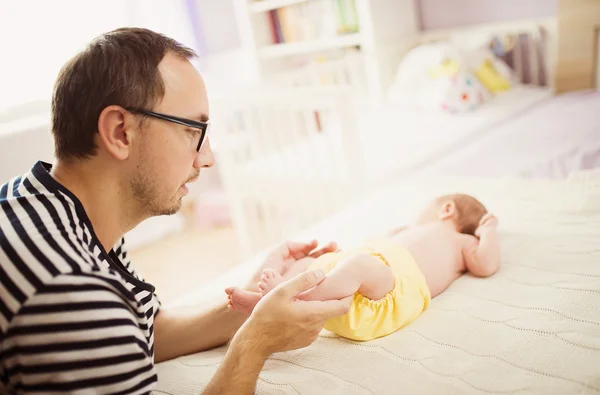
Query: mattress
(555, 138)
(533, 328)
(392, 140)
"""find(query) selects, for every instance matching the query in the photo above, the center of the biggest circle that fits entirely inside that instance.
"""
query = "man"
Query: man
(129, 121)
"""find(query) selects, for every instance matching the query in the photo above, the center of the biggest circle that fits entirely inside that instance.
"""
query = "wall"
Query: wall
(37, 42)
(217, 20)
(443, 14)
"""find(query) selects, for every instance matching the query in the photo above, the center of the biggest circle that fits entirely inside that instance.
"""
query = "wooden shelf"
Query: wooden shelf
(268, 5)
(297, 48)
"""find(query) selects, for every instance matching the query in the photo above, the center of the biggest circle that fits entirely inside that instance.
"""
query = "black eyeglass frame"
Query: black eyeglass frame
(204, 127)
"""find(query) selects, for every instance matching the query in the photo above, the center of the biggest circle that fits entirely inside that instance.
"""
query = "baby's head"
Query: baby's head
(463, 210)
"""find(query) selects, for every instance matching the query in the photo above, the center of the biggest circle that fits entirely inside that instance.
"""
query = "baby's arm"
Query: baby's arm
(482, 257)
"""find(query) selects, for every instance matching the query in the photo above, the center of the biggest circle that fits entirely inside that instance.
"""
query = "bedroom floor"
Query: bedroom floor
(183, 261)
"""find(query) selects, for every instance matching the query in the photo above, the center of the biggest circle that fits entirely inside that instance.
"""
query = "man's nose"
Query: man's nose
(205, 157)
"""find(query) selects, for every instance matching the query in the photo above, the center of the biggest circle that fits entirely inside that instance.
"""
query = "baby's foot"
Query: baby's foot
(269, 280)
(242, 300)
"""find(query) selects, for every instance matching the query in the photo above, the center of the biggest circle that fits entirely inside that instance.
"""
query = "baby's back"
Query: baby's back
(438, 251)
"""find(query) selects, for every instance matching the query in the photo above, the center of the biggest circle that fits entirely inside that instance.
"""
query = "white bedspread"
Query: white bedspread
(533, 328)
(553, 139)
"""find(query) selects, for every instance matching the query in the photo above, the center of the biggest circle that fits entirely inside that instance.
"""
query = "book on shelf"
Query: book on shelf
(313, 20)
(336, 67)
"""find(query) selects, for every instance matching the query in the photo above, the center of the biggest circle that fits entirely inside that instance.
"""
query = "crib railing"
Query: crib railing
(287, 159)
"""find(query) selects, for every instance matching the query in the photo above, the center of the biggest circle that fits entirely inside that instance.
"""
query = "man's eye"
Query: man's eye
(194, 132)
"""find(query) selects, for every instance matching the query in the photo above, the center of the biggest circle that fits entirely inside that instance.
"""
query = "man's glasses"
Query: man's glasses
(204, 127)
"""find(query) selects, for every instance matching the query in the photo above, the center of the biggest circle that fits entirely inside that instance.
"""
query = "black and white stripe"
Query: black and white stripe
(72, 316)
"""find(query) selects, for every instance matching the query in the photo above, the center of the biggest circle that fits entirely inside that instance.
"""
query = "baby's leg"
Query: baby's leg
(298, 267)
(270, 278)
(244, 301)
(362, 272)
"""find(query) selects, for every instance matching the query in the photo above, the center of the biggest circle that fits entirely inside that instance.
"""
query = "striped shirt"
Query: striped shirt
(73, 318)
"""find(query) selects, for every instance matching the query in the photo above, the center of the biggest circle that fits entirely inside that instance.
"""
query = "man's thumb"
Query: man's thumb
(302, 282)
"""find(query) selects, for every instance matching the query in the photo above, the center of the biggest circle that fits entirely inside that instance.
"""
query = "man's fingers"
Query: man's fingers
(300, 250)
(333, 308)
(301, 283)
(330, 247)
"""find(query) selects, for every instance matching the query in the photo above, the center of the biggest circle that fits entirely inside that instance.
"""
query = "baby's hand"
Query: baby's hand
(487, 222)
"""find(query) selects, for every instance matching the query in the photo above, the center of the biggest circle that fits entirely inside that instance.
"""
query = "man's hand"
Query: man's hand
(487, 222)
(285, 255)
(281, 323)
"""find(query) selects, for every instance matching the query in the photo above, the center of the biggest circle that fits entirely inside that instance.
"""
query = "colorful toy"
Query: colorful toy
(464, 93)
(502, 45)
(491, 78)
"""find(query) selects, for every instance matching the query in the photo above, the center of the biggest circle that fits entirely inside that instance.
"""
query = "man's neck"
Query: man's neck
(105, 200)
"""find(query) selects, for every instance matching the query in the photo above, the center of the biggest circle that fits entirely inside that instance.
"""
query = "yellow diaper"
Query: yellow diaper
(370, 319)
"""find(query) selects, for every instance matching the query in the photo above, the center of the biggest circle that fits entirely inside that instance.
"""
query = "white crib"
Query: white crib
(287, 158)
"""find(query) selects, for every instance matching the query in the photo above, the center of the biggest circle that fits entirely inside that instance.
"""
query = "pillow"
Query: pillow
(412, 74)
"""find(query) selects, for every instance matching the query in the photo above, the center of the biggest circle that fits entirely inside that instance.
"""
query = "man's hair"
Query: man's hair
(117, 68)
(469, 212)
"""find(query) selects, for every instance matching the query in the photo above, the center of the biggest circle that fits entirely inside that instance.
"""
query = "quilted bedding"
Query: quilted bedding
(533, 328)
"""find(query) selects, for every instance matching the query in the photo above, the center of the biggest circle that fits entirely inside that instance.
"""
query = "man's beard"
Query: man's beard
(144, 189)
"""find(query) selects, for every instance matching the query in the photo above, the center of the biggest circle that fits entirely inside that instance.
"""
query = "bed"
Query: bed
(400, 139)
(403, 141)
(552, 139)
(532, 328)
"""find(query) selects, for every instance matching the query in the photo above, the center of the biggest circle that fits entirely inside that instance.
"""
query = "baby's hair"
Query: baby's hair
(469, 212)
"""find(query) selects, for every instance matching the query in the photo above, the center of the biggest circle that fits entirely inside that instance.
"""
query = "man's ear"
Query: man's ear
(115, 130)
(447, 209)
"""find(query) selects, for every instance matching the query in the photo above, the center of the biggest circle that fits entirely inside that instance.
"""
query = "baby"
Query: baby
(393, 279)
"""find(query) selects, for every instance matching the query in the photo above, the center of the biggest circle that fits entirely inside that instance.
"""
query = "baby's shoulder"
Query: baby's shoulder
(397, 230)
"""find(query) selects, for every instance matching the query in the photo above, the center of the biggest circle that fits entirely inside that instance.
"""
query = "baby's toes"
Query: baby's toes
(263, 287)
(269, 274)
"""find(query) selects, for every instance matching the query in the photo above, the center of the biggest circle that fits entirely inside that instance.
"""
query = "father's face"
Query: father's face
(168, 159)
